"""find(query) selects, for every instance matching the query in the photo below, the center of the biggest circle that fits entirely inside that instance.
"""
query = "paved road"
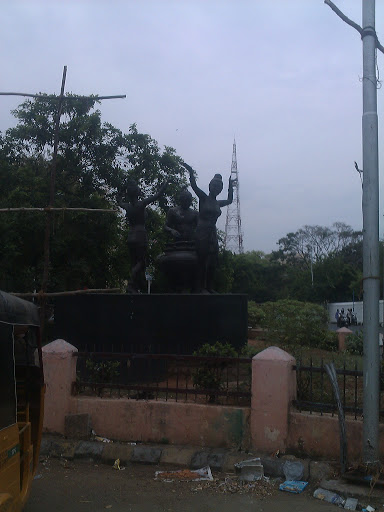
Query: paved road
(85, 486)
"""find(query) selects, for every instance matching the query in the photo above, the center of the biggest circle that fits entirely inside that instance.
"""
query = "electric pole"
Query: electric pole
(371, 367)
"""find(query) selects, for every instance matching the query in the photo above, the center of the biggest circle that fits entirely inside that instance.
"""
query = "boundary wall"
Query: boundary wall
(270, 424)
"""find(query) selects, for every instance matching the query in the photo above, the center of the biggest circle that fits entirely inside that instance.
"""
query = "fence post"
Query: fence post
(59, 373)
(273, 389)
(342, 333)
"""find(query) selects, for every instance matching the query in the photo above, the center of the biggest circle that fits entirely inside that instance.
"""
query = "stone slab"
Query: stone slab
(353, 490)
(146, 454)
(272, 466)
(64, 449)
(113, 451)
(200, 459)
(216, 459)
(234, 458)
(89, 449)
(77, 426)
(319, 471)
(181, 455)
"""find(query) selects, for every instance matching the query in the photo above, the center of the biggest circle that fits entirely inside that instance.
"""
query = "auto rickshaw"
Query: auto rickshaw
(21, 399)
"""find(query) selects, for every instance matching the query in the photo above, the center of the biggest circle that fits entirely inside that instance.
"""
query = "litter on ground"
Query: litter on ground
(294, 486)
(185, 475)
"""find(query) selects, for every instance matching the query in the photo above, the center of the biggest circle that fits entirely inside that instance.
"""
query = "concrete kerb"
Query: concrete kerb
(187, 456)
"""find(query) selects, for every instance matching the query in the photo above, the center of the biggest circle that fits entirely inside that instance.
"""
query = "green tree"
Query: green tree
(94, 162)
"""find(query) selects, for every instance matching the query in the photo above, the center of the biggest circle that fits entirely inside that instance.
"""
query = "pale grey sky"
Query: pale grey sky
(283, 76)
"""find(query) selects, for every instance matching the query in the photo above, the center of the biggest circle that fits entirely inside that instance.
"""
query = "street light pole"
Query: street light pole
(371, 270)
(371, 273)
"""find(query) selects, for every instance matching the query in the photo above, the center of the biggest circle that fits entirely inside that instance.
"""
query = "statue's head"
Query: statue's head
(132, 188)
(185, 198)
(216, 185)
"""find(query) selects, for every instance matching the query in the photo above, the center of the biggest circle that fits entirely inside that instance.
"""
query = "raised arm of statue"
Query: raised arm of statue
(229, 200)
(154, 197)
(200, 194)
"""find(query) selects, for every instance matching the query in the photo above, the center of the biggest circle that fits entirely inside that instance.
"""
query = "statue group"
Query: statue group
(191, 256)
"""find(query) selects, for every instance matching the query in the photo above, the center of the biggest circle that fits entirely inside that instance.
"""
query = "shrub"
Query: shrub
(329, 342)
(354, 343)
(102, 372)
(210, 375)
(256, 314)
(294, 322)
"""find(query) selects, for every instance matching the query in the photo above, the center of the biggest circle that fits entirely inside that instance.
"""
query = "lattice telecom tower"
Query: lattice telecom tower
(233, 238)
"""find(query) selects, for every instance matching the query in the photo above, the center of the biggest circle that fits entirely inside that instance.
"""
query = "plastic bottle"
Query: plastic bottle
(332, 497)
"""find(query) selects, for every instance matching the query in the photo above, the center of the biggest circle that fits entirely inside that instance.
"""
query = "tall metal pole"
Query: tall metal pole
(370, 238)
(371, 274)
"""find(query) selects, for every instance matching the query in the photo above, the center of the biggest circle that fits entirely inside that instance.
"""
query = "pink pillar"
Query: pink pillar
(273, 389)
(342, 333)
(59, 373)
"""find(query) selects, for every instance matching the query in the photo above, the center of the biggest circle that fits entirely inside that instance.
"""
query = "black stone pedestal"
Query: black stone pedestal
(157, 323)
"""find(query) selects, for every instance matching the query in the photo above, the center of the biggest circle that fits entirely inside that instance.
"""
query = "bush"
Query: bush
(256, 314)
(210, 375)
(354, 343)
(102, 372)
(291, 322)
(330, 342)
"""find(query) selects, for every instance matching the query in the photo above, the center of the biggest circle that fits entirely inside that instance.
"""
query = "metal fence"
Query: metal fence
(314, 390)
(214, 380)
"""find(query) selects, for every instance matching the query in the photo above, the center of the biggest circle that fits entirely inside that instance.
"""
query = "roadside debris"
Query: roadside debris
(95, 437)
(368, 509)
(331, 497)
(185, 475)
(351, 504)
(116, 465)
(250, 470)
(294, 486)
(232, 485)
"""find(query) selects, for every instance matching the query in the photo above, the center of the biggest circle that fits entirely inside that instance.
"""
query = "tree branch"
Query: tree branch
(66, 98)
(48, 209)
(73, 292)
(351, 23)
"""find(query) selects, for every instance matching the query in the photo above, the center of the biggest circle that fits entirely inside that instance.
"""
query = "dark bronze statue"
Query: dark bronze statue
(181, 220)
(179, 260)
(137, 234)
(206, 242)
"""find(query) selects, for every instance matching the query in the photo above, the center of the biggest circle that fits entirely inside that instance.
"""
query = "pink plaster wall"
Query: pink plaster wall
(318, 436)
(178, 423)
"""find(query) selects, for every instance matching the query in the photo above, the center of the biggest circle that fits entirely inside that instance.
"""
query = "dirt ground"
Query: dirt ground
(85, 486)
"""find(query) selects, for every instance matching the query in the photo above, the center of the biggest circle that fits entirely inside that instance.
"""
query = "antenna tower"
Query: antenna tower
(233, 238)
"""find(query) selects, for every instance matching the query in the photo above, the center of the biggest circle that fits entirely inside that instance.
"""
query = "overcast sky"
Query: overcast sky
(282, 76)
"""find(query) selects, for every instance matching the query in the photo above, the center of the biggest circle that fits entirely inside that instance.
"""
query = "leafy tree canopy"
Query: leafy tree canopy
(94, 161)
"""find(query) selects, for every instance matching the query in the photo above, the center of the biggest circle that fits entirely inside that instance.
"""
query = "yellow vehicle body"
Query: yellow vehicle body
(21, 400)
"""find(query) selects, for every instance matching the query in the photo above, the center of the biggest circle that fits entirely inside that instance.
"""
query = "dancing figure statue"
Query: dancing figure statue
(207, 248)
(137, 234)
(182, 220)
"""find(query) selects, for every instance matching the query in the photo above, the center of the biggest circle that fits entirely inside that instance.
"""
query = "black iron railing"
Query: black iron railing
(314, 390)
(215, 380)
